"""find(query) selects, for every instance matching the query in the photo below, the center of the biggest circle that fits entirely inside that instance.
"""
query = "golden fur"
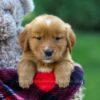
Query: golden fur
(46, 32)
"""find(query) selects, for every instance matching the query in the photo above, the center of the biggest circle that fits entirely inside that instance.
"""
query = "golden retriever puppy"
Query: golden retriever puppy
(46, 43)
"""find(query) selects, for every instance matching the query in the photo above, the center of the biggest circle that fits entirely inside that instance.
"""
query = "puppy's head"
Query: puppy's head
(48, 38)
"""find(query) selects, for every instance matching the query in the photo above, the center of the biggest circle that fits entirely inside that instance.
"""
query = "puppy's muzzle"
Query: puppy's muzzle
(48, 53)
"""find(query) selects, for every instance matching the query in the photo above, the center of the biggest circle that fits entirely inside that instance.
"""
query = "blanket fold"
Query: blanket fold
(10, 90)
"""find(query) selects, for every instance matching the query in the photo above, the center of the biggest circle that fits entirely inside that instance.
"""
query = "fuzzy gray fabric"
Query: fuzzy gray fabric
(11, 16)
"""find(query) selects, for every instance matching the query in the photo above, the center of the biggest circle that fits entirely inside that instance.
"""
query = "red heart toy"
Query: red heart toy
(44, 80)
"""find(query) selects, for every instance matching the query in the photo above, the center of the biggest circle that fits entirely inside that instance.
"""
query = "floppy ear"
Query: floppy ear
(71, 38)
(23, 40)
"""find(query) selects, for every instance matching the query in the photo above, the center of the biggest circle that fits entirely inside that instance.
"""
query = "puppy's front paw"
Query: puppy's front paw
(26, 73)
(25, 82)
(62, 81)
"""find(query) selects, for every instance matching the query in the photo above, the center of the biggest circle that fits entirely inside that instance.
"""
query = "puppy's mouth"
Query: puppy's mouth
(47, 60)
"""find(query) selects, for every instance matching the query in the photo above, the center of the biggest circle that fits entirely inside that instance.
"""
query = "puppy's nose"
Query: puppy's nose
(48, 52)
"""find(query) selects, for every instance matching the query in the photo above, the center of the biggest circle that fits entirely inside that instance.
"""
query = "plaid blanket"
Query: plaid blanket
(10, 90)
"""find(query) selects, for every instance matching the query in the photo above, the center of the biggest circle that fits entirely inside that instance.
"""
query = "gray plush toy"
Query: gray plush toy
(11, 16)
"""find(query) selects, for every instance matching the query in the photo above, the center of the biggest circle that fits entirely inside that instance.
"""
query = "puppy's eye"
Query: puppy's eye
(37, 37)
(58, 38)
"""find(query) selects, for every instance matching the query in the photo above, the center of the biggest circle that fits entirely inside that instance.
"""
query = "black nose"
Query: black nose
(48, 52)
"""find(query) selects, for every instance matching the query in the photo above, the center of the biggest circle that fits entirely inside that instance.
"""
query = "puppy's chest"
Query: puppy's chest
(44, 69)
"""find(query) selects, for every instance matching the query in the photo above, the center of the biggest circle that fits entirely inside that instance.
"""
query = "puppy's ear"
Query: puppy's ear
(71, 38)
(23, 40)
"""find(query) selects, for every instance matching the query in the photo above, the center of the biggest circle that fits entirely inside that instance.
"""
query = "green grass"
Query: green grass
(87, 53)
